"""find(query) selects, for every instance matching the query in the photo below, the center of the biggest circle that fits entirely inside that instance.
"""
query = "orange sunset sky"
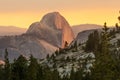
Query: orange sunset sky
(22, 13)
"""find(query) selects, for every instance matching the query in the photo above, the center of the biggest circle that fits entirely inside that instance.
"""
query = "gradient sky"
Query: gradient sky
(22, 13)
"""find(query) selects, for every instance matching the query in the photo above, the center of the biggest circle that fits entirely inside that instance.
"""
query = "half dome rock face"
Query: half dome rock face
(42, 38)
(53, 28)
(54, 20)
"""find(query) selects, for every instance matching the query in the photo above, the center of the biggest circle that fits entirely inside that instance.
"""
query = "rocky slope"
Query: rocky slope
(83, 36)
(74, 57)
(68, 59)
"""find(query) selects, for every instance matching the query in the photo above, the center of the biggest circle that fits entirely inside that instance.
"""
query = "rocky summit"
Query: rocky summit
(53, 28)
(42, 38)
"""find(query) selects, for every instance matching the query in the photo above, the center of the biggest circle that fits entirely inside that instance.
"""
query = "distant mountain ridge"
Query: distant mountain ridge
(11, 30)
(82, 27)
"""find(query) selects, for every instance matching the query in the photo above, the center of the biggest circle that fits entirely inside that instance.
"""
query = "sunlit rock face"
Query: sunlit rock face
(42, 38)
(53, 28)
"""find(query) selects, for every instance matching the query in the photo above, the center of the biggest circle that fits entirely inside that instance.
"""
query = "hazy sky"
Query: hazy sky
(22, 13)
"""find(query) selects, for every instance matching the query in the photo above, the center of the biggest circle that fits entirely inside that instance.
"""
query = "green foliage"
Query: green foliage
(112, 33)
(19, 68)
(32, 69)
(48, 75)
(7, 67)
(1, 72)
(75, 46)
(56, 75)
(56, 52)
(72, 75)
(68, 59)
(92, 42)
(48, 56)
(104, 67)
(40, 73)
(117, 28)
(118, 42)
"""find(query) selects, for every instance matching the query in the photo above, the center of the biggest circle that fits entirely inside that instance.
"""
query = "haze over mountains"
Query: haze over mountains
(79, 28)
(11, 30)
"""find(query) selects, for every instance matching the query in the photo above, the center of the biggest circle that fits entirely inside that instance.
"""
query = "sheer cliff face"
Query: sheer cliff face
(53, 28)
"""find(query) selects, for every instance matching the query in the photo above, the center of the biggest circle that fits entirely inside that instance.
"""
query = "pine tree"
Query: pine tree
(118, 42)
(32, 69)
(103, 68)
(40, 73)
(119, 18)
(79, 75)
(72, 75)
(19, 68)
(92, 42)
(7, 67)
(56, 75)
(76, 46)
(89, 43)
(56, 52)
(1, 72)
(47, 74)
(65, 77)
